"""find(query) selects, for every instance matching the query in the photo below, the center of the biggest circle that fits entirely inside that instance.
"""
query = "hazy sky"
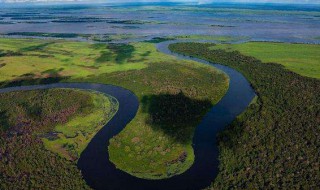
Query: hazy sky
(195, 1)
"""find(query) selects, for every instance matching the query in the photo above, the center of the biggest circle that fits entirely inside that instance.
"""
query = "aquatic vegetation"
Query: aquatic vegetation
(274, 144)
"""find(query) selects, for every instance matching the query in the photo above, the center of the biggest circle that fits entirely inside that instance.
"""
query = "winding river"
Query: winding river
(94, 162)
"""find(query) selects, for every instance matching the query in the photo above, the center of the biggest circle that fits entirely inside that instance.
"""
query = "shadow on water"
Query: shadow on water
(174, 113)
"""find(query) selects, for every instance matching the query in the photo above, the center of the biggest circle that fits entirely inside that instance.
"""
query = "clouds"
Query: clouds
(195, 1)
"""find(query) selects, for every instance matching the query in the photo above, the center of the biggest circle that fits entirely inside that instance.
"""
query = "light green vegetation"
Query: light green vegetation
(211, 38)
(71, 138)
(157, 142)
(303, 59)
(71, 59)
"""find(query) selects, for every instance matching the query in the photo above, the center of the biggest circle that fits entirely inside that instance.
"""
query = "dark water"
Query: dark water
(100, 173)
(288, 23)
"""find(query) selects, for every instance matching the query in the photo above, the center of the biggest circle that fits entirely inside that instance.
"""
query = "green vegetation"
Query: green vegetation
(149, 151)
(303, 59)
(65, 59)
(93, 37)
(275, 143)
(31, 117)
(41, 34)
(145, 148)
(71, 138)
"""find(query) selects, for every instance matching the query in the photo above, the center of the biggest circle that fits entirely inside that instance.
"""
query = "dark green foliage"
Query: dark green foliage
(104, 56)
(36, 47)
(123, 51)
(4, 53)
(52, 72)
(275, 143)
(158, 40)
(119, 52)
(24, 118)
(29, 80)
(173, 113)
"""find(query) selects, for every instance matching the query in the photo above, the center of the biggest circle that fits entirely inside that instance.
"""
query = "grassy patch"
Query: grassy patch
(303, 59)
(75, 59)
(165, 148)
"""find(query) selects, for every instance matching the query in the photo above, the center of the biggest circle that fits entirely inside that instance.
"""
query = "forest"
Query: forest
(26, 163)
(275, 143)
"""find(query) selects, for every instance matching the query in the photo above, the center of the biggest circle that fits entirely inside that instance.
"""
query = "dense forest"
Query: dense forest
(275, 143)
(25, 117)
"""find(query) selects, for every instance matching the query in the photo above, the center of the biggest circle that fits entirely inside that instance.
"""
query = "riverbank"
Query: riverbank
(280, 131)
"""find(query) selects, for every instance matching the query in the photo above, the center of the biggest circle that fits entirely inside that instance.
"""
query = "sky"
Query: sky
(194, 1)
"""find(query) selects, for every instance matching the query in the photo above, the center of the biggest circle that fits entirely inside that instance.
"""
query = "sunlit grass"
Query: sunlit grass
(303, 59)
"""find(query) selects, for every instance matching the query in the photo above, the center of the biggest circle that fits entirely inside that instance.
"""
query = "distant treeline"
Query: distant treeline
(275, 143)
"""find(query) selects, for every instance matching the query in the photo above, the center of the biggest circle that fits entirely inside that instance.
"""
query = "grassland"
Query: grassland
(149, 147)
(275, 143)
(71, 138)
(34, 122)
(303, 59)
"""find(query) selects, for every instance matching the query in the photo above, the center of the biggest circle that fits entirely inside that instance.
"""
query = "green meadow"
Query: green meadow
(303, 59)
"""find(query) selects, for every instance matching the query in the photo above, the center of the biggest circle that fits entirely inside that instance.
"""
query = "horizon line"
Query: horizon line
(152, 2)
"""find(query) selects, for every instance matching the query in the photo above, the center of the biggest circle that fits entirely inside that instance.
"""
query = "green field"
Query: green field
(275, 143)
(157, 142)
(62, 121)
(303, 59)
